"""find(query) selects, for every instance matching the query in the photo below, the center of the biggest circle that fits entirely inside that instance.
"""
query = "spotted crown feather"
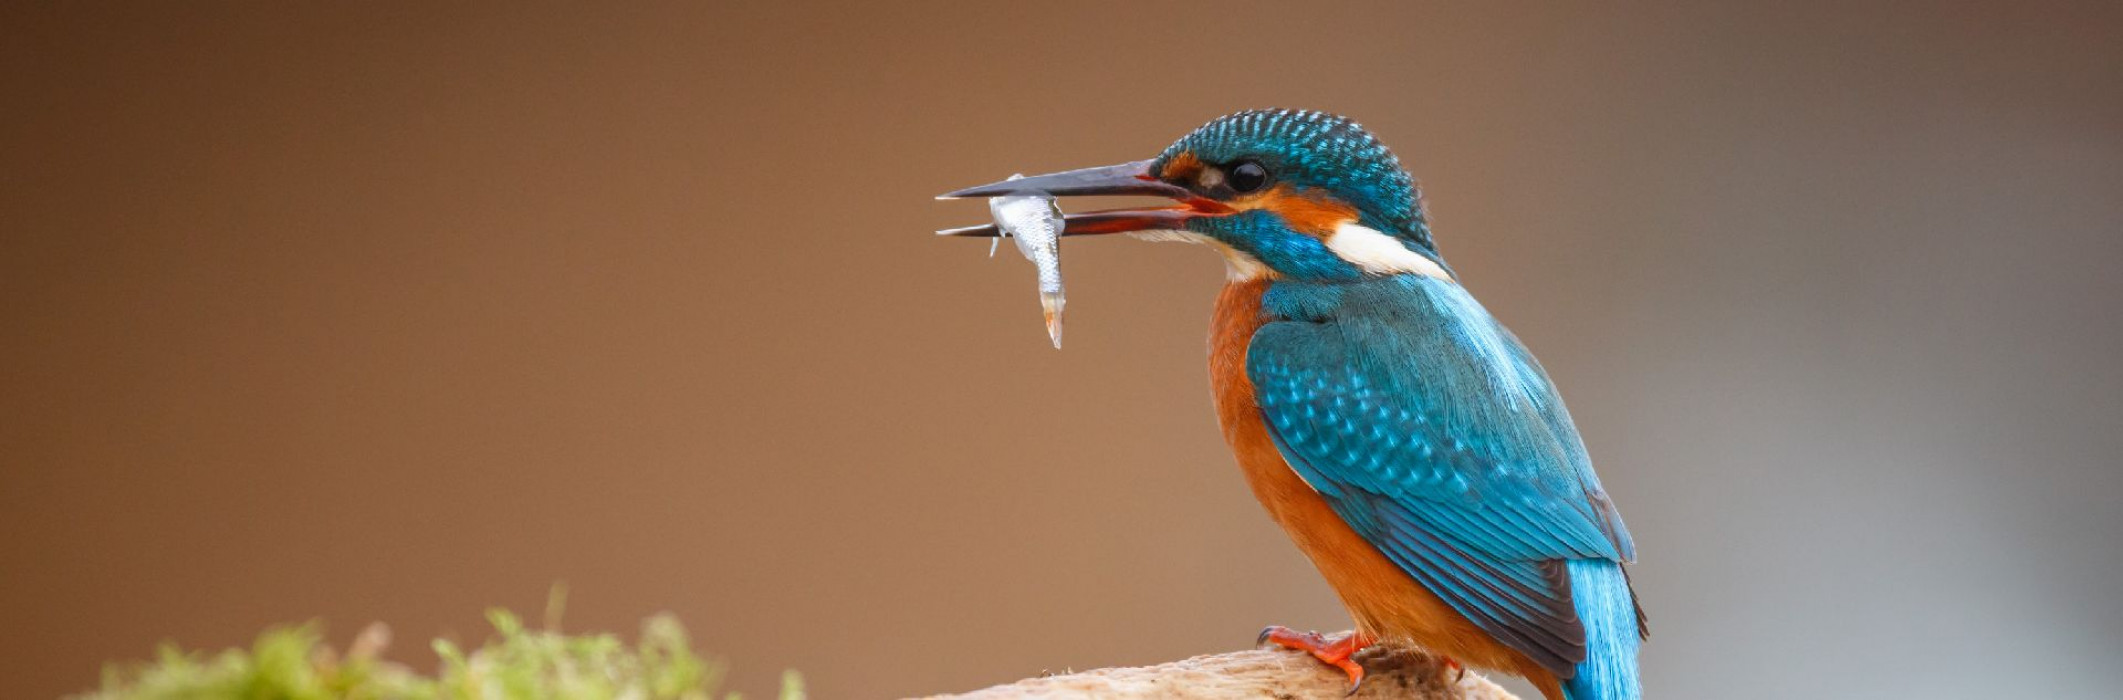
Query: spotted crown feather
(1321, 150)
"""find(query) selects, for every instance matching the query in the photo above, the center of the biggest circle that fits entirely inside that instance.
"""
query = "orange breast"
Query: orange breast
(1384, 601)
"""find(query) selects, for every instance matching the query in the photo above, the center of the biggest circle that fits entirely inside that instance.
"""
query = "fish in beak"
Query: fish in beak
(1124, 179)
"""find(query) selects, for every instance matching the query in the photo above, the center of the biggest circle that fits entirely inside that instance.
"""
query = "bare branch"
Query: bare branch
(1257, 675)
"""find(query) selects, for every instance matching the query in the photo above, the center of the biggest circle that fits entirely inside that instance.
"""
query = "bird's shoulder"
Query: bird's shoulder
(1405, 387)
(1423, 335)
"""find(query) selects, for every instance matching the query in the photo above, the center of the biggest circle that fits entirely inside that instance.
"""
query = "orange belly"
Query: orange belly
(1384, 601)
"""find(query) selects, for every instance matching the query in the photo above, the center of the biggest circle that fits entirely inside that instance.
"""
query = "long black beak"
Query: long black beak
(1124, 179)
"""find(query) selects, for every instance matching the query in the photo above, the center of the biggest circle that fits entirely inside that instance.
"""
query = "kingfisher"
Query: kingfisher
(1410, 445)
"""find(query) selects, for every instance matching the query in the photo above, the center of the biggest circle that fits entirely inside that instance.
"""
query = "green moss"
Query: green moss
(294, 663)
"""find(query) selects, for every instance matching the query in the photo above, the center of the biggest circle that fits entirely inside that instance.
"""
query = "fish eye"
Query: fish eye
(1247, 177)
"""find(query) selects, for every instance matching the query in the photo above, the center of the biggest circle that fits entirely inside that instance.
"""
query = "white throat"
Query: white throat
(1367, 248)
(1238, 266)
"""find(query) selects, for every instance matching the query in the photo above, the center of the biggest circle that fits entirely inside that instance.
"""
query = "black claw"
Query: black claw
(1358, 685)
(1263, 638)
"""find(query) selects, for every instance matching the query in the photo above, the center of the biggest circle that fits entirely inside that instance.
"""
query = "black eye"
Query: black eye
(1247, 177)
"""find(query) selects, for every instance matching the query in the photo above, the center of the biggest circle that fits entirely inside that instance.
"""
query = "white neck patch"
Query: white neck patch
(1378, 253)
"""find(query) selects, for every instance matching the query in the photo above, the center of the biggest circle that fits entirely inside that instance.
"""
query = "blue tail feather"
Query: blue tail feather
(1608, 610)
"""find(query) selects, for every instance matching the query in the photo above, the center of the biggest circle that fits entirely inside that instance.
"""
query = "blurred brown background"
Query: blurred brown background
(397, 311)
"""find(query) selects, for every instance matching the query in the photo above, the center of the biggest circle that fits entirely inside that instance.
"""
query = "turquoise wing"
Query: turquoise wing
(1437, 437)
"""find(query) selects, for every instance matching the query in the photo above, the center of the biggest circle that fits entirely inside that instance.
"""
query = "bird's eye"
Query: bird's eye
(1247, 177)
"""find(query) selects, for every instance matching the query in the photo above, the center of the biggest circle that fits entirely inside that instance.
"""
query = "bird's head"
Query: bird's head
(1283, 193)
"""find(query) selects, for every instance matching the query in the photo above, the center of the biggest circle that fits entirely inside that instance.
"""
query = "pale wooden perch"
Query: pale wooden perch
(1261, 674)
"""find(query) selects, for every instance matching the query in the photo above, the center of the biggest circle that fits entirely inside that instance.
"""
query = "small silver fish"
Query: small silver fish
(1034, 222)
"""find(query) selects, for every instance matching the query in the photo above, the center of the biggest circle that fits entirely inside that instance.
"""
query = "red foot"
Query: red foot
(1335, 651)
(1458, 672)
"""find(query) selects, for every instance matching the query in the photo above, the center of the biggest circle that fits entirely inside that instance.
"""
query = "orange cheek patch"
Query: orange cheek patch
(1309, 214)
(1181, 168)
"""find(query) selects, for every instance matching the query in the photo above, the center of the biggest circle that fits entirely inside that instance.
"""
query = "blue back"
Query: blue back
(1432, 431)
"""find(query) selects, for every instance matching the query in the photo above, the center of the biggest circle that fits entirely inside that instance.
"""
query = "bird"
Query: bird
(1410, 445)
